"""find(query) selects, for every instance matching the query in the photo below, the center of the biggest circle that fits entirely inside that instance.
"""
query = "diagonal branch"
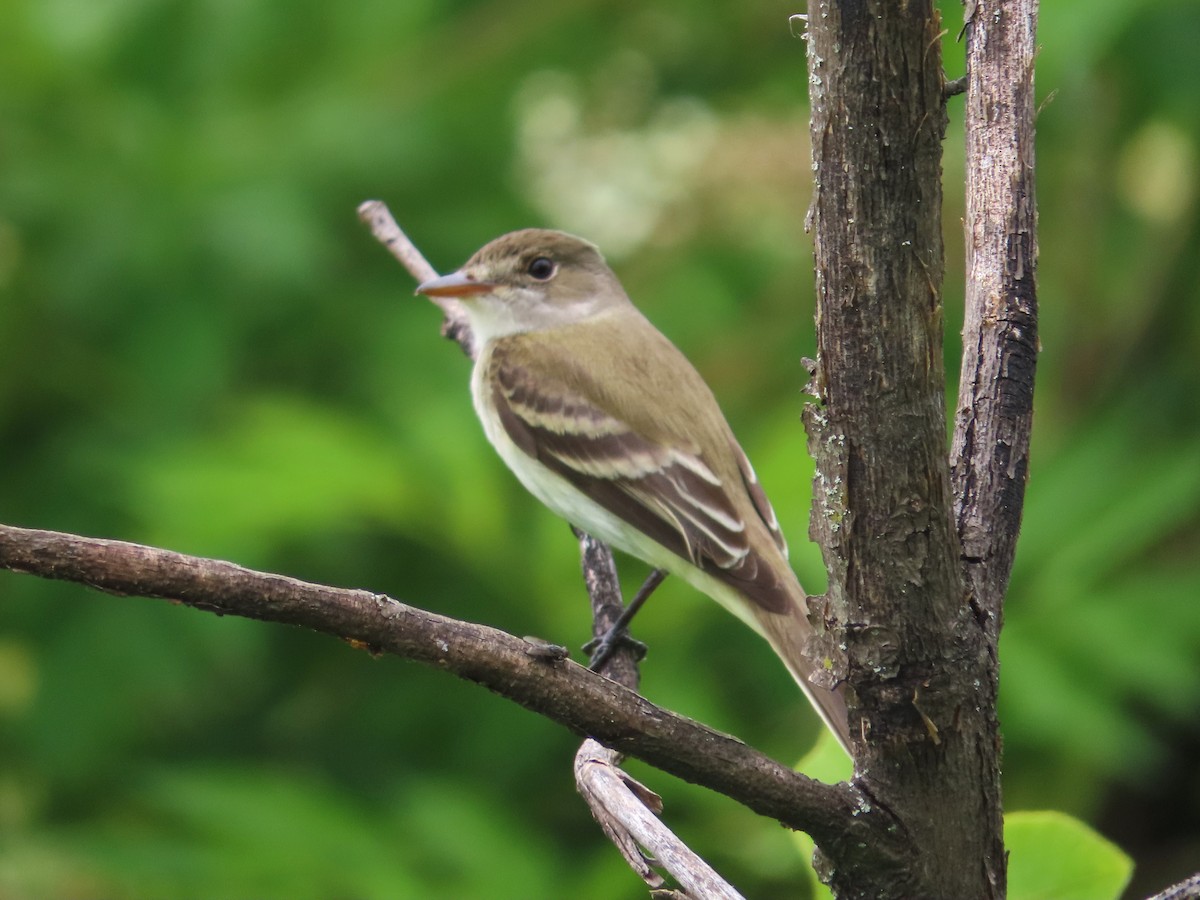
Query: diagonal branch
(376, 216)
(839, 818)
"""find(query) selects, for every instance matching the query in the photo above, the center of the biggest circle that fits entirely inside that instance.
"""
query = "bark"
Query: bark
(917, 663)
(990, 455)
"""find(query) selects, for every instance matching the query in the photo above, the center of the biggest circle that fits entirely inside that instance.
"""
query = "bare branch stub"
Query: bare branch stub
(630, 819)
(377, 217)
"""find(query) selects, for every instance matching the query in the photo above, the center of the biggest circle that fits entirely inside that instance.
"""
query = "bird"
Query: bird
(608, 424)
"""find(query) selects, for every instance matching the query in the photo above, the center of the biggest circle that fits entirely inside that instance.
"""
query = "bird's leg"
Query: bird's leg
(603, 647)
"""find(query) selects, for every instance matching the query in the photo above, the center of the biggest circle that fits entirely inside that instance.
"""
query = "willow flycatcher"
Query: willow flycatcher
(607, 423)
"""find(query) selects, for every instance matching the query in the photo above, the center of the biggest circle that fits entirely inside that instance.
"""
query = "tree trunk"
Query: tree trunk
(916, 660)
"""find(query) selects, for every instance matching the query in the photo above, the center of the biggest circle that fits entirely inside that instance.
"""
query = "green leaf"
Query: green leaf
(1053, 856)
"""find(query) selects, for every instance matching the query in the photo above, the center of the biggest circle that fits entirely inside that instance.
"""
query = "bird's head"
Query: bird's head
(531, 280)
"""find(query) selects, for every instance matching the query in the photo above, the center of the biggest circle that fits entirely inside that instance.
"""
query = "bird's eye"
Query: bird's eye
(541, 268)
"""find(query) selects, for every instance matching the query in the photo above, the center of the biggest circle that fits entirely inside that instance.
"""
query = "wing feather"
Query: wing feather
(670, 493)
(759, 498)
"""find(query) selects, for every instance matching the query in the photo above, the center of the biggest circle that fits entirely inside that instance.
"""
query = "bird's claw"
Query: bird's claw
(600, 649)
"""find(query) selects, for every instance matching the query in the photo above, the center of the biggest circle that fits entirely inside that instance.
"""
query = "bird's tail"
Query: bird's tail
(790, 635)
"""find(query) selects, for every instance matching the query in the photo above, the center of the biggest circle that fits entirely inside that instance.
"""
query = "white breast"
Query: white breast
(570, 503)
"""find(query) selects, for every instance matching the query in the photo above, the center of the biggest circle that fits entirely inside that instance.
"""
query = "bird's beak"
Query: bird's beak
(456, 284)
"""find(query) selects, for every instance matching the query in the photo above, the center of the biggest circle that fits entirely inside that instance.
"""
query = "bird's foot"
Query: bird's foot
(601, 649)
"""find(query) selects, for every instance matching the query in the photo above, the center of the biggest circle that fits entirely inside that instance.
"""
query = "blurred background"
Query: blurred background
(202, 349)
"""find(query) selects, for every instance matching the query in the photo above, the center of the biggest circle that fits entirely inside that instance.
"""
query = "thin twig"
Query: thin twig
(383, 225)
(379, 219)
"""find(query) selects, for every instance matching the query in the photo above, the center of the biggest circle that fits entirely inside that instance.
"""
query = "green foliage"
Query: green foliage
(201, 347)
(1053, 856)
(1072, 656)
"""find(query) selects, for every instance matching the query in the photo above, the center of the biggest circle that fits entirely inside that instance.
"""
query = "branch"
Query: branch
(626, 810)
(840, 819)
(989, 458)
(377, 217)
